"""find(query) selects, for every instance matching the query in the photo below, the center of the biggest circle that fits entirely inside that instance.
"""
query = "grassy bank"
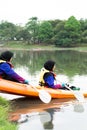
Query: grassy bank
(4, 110)
(24, 46)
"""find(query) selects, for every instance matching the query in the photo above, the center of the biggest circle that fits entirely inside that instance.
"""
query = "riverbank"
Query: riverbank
(5, 124)
(33, 47)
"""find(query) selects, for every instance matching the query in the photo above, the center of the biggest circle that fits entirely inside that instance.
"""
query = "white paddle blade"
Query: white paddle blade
(44, 96)
(79, 96)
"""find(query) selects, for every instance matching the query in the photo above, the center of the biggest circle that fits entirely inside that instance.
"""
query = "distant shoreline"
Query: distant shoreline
(16, 46)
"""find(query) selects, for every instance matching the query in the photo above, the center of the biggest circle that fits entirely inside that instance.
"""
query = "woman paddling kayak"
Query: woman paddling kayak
(6, 68)
(48, 77)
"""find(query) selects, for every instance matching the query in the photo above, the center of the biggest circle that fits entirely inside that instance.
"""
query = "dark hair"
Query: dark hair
(7, 55)
(49, 65)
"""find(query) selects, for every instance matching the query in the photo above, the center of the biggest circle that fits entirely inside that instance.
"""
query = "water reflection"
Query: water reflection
(67, 62)
(48, 124)
(42, 120)
(50, 113)
(70, 65)
(78, 107)
(67, 116)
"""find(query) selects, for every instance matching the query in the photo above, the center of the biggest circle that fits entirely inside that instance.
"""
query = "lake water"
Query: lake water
(71, 66)
(59, 114)
(63, 116)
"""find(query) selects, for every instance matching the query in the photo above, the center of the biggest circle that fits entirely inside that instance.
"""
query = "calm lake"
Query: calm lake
(59, 114)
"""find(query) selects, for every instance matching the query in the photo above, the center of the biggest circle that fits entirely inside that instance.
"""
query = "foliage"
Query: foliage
(83, 30)
(69, 33)
(7, 31)
(72, 24)
(4, 123)
(23, 35)
(63, 33)
(3, 102)
(32, 27)
(45, 32)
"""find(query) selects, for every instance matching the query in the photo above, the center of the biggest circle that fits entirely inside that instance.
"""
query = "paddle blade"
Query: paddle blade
(44, 96)
(79, 96)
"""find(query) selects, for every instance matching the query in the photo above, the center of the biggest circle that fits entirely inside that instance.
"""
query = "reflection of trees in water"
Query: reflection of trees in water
(72, 62)
(68, 62)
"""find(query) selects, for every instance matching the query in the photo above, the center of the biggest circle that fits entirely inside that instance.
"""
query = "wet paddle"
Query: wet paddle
(43, 95)
(79, 96)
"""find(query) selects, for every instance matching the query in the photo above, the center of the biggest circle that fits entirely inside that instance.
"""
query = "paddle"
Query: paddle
(43, 95)
(79, 96)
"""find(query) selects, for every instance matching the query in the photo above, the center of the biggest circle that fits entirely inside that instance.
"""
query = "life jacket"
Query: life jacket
(2, 61)
(41, 80)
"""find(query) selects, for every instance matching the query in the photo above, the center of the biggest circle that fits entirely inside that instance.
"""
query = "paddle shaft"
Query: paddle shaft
(79, 96)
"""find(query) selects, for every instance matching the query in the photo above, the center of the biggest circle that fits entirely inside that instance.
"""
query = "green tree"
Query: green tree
(7, 31)
(32, 27)
(45, 32)
(69, 34)
(58, 29)
(23, 35)
(83, 30)
(73, 27)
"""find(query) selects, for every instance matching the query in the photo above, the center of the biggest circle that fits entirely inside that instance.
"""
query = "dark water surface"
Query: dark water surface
(59, 114)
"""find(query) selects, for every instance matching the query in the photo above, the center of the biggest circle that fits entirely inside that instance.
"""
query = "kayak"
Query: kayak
(29, 91)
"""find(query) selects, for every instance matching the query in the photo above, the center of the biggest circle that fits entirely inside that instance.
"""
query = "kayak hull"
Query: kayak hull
(27, 90)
